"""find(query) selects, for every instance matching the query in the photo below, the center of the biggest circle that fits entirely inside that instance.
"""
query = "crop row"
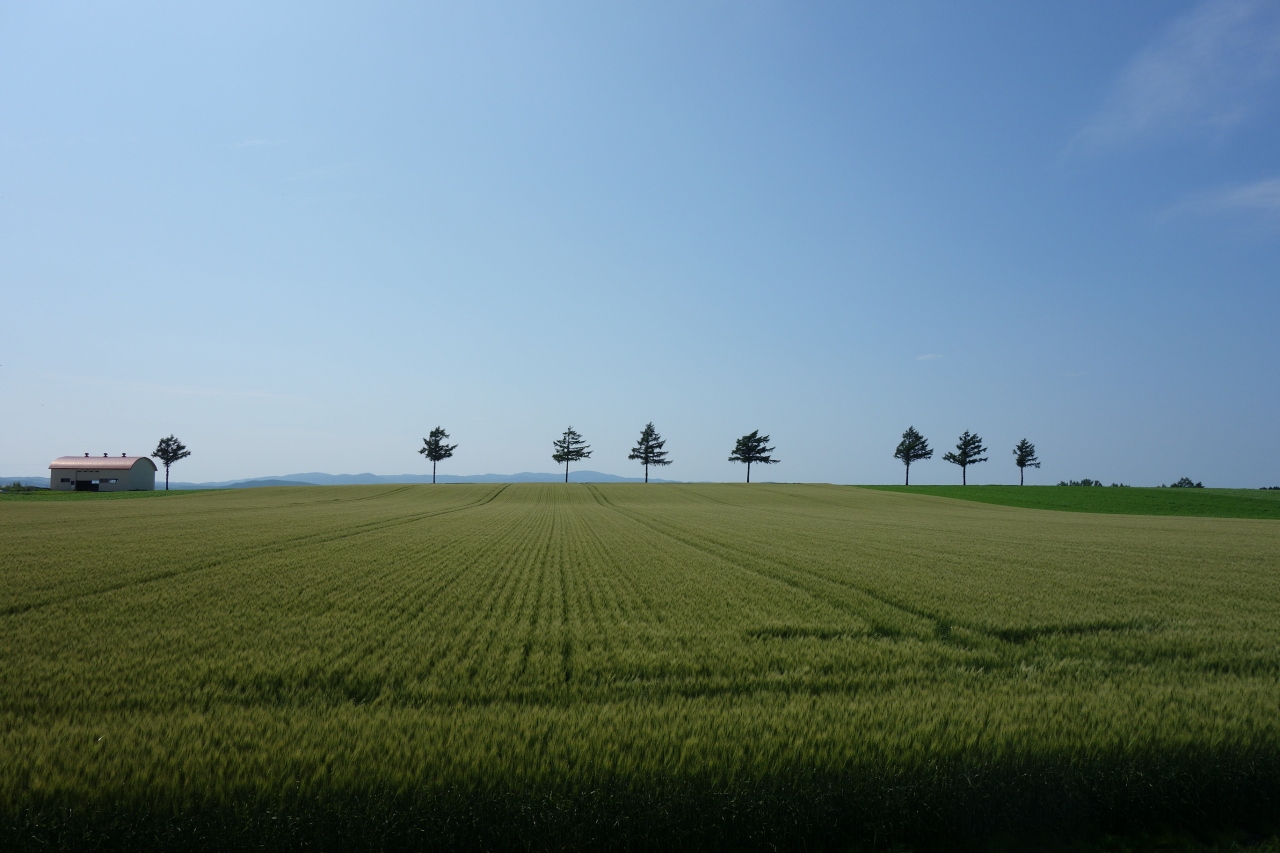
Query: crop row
(434, 658)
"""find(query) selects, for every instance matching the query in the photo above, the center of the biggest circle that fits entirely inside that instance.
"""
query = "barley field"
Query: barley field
(629, 667)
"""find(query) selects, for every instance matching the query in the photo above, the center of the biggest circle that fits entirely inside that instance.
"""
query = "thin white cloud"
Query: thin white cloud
(261, 143)
(1208, 71)
(1259, 198)
(928, 357)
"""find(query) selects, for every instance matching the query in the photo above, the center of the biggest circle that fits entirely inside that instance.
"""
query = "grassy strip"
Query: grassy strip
(1209, 503)
(52, 495)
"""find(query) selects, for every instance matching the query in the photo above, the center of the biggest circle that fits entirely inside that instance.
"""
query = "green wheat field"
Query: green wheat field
(630, 667)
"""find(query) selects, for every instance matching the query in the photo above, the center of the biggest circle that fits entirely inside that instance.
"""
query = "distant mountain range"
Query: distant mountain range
(42, 480)
(316, 478)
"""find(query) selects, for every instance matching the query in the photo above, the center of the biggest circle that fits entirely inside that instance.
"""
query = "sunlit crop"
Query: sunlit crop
(624, 665)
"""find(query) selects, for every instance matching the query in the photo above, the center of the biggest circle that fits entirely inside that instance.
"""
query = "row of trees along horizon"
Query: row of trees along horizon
(914, 447)
(751, 449)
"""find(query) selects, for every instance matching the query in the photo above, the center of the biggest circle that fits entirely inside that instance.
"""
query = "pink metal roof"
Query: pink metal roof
(99, 463)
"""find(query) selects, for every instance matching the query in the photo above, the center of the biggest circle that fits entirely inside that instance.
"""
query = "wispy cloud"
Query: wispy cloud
(1260, 198)
(261, 143)
(929, 357)
(1209, 70)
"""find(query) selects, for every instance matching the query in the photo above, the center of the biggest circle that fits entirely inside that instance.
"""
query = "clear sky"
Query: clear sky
(301, 235)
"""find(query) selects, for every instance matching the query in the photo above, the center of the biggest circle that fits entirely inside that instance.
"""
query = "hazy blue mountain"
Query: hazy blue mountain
(317, 478)
(40, 480)
(522, 477)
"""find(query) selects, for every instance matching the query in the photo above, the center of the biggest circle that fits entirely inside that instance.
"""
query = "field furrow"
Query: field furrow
(591, 666)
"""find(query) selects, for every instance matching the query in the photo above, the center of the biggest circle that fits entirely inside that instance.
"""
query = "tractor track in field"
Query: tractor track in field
(714, 550)
(941, 625)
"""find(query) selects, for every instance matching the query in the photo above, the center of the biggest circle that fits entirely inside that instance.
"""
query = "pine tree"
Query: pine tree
(169, 451)
(436, 450)
(968, 452)
(1024, 456)
(753, 448)
(570, 448)
(648, 449)
(913, 448)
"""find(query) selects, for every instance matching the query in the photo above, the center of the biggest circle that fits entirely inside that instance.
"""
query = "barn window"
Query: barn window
(113, 480)
(66, 480)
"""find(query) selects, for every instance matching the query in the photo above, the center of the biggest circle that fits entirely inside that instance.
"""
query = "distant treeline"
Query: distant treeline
(752, 448)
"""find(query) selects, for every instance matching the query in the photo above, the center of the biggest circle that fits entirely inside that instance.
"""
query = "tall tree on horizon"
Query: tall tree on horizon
(169, 451)
(1024, 456)
(570, 447)
(753, 448)
(913, 448)
(434, 448)
(968, 452)
(648, 449)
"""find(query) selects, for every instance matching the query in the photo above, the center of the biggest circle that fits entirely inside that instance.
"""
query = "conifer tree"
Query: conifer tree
(570, 447)
(913, 448)
(169, 451)
(434, 448)
(968, 452)
(1024, 456)
(753, 448)
(648, 449)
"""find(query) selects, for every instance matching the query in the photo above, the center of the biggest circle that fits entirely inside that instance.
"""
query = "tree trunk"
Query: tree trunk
(963, 481)
(433, 472)
(566, 470)
(908, 482)
(1021, 471)
(748, 472)
(646, 472)
(166, 478)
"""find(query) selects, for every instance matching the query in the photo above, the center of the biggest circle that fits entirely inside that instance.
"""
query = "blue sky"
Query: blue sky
(301, 236)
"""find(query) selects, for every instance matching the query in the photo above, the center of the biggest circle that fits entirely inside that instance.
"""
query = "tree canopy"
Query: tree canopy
(570, 447)
(169, 451)
(435, 449)
(1024, 456)
(753, 447)
(1187, 483)
(648, 449)
(913, 448)
(968, 452)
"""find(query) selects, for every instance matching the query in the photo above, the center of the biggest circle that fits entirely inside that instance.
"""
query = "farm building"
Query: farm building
(102, 474)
